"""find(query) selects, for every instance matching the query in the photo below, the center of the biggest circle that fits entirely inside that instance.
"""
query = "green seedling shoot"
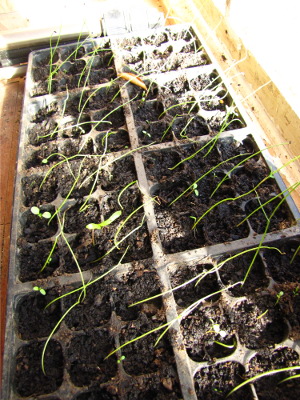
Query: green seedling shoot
(195, 186)
(261, 315)
(296, 291)
(295, 254)
(279, 295)
(103, 224)
(108, 221)
(36, 211)
(39, 289)
(146, 133)
(217, 390)
(262, 375)
(121, 359)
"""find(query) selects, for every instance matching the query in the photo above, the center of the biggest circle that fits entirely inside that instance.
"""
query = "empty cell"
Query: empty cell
(35, 320)
(29, 379)
(86, 358)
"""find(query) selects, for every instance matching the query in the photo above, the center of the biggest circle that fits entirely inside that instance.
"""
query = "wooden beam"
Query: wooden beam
(11, 100)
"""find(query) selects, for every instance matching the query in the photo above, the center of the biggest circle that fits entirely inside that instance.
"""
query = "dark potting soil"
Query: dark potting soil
(150, 132)
(36, 192)
(289, 303)
(96, 394)
(111, 117)
(84, 126)
(285, 266)
(142, 356)
(147, 111)
(36, 228)
(85, 251)
(130, 200)
(72, 71)
(29, 378)
(137, 388)
(235, 270)
(86, 354)
(158, 387)
(176, 231)
(94, 311)
(80, 215)
(35, 157)
(216, 381)
(136, 93)
(263, 319)
(35, 320)
(117, 294)
(204, 342)
(72, 147)
(91, 100)
(75, 178)
(197, 289)
(43, 132)
(90, 250)
(270, 388)
(118, 174)
(189, 127)
(282, 218)
(113, 141)
(187, 179)
(175, 221)
(32, 257)
(45, 111)
(132, 287)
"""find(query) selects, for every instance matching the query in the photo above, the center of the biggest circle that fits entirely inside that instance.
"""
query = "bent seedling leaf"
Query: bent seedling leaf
(108, 221)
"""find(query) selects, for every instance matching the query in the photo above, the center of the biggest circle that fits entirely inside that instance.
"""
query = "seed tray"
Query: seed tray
(91, 148)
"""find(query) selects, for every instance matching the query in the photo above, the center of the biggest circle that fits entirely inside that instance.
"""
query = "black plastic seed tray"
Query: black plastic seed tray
(176, 188)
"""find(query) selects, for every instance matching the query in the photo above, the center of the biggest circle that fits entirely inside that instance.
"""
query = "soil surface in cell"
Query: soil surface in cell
(142, 356)
(207, 334)
(284, 266)
(268, 388)
(86, 358)
(29, 378)
(135, 286)
(216, 381)
(36, 227)
(32, 258)
(236, 269)
(265, 323)
(194, 283)
(35, 320)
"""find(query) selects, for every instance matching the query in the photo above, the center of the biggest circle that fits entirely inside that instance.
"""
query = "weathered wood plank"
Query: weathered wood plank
(11, 99)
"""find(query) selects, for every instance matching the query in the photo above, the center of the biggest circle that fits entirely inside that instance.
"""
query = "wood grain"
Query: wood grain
(11, 100)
